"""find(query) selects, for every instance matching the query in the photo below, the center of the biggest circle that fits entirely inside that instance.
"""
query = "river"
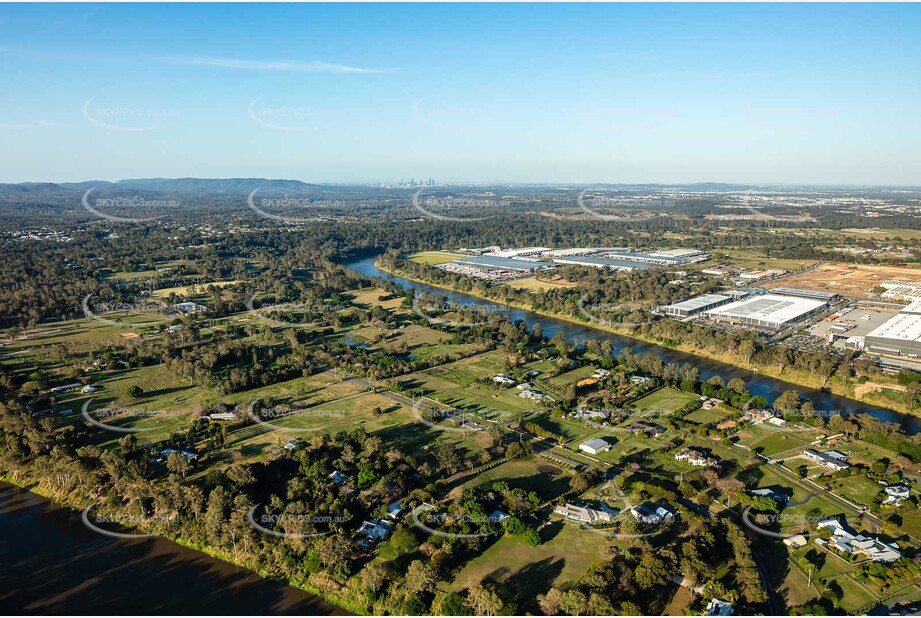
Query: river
(52, 564)
(767, 387)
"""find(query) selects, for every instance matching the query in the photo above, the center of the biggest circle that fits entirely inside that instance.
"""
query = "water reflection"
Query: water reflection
(52, 564)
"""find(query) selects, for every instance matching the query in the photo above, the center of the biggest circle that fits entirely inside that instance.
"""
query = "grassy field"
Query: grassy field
(434, 257)
(857, 489)
(526, 474)
(779, 441)
(795, 588)
(707, 417)
(663, 401)
(186, 290)
(440, 384)
(371, 297)
(524, 572)
(146, 274)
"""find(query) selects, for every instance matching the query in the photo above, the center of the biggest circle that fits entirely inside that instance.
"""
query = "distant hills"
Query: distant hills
(163, 185)
(196, 185)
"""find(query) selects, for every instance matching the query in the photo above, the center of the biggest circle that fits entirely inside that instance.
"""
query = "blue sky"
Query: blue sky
(784, 93)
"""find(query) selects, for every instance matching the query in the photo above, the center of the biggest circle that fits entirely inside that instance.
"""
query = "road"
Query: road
(773, 606)
(810, 485)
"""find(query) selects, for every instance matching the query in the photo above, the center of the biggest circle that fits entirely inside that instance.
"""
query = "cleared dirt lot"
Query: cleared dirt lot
(848, 279)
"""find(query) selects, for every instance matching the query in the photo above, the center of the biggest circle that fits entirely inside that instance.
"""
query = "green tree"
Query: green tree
(420, 577)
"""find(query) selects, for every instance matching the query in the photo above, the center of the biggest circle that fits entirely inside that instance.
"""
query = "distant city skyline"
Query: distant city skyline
(785, 94)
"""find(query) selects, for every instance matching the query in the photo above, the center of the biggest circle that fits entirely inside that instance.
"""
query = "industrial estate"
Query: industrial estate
(740, 299)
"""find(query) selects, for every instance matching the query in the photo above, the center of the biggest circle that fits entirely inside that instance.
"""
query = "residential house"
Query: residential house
(770, 493)
(582, 514)
(846, 540)
(717, 607)
(651, 513)
(592, 415)
(375, 530)
(829, 459)
(529, 394)
(696, 457)
(650, 429)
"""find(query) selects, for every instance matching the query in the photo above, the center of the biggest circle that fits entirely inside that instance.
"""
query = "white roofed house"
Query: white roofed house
(695, 457)
(532, 394)
(829, 459)
(592, 414)
(188, 307)
(375, 530)
(847, 541)
(582, 514)
(895, 494)
(650, 513)
(898, 491)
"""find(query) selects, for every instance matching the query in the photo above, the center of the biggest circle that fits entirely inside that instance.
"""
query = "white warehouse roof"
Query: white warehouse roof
(772, 308)
(697, 302)
(903, 326)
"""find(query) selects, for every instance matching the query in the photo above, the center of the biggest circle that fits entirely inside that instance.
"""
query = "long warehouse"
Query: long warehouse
(698, 304)
(769, 311)
(503, 263)
(898, 336)
(602, 262)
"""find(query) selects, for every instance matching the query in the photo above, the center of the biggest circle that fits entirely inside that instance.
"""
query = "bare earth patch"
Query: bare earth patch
(869, 387)
(848, 279)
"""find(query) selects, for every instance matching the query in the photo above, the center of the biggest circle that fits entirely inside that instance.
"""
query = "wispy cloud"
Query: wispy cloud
(313, 66)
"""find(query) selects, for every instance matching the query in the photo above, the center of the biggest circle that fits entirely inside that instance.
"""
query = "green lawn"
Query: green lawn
(663, 401)
(434, 257)
(707, 417)
(857, 489)
(526, 474)
(524, 572)
(795, 589)
(779, 440)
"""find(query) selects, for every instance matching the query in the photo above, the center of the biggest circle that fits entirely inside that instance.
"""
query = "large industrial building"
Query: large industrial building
(623, 258)
(768, 311)
(602, 262)
(828, 297)
(518, 253)
(898, 336)
(899, 290)
(496, 264)
(502, 263)
(693, 306)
